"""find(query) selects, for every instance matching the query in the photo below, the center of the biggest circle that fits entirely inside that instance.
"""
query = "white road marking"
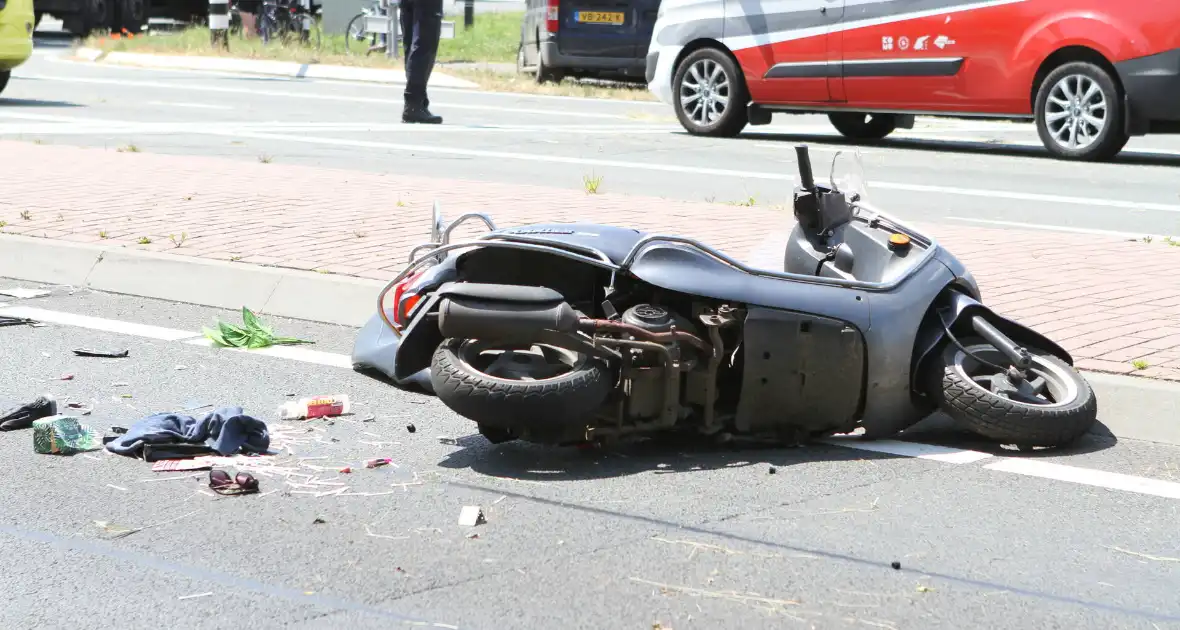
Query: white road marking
(219, 130)
(947, 455)
(97, 323)
(63, 59)
(287, 94)
(169, 128)
(1062, 228)
(700, 170)
(294, 353)
(1088, 477)
(189, 105)
(912, 449)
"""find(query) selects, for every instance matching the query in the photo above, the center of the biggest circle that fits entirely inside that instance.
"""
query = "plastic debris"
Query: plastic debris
(23, 294)
(346, 470)
(380, 461)
(447, 440)
(473, 535)
(773, 470)
(66, 377)
(184, 597)
(104, 354)
(17, 321)
(471, 516)
(896, 565)
(315, 407)
(318, 521)
(411, 428)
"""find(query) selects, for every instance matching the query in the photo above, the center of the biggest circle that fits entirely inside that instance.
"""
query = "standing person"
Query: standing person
(421, 22)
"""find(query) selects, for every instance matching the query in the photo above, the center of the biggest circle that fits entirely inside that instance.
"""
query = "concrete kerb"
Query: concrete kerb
(1130, 407)
(264, 67)
(343, 300)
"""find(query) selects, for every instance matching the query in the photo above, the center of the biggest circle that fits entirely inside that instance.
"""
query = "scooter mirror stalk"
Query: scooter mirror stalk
(818, 210)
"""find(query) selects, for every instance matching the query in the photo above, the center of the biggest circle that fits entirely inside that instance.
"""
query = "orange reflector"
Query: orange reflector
(899, 240)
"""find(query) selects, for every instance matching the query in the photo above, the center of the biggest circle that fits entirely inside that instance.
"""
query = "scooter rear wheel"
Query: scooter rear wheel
(1057, 408)
(539, 392)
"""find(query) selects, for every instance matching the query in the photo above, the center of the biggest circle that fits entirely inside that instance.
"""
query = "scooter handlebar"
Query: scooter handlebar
(805, 167)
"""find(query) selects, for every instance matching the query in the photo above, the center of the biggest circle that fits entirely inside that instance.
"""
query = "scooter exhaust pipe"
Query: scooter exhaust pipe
(468, 318)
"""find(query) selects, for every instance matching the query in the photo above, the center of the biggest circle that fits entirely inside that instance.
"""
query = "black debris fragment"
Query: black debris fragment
(16, 321)
(105, 354)
(318, 521)
(773, 470)
(896, 565)
(411, 428)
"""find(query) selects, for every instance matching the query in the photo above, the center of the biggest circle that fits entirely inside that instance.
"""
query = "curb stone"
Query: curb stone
(333, 299)
(1130, 407)
(290, 69)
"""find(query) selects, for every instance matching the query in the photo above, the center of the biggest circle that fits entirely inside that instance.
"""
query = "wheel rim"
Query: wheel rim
(519, 362)
(1048, 384)
(1076, 112)
(705, 92)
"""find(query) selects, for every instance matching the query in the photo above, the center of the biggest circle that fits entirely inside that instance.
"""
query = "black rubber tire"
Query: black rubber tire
(1004, 420)
(130, 15)
(545, 74)
(4, 76)
(1113, 137)
(569, 401)
(860, 126)
(736, 116)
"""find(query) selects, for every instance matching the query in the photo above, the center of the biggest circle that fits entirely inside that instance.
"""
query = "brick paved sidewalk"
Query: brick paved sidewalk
(1115, 304)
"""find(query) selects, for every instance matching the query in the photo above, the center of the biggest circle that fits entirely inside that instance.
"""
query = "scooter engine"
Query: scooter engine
(645, 372)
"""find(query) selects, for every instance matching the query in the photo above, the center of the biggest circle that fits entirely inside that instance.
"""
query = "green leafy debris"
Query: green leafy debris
(253, 335)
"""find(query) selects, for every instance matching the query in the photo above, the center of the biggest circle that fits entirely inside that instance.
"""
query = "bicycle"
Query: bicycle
(290, 20)
(358, 28)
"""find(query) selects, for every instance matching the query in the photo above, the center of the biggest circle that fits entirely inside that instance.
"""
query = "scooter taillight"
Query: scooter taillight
(403, 301)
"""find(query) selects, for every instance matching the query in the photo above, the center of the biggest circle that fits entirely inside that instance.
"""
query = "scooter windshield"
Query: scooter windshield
(847, 175)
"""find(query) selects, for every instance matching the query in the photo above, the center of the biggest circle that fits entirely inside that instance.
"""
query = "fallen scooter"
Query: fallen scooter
(573, 333)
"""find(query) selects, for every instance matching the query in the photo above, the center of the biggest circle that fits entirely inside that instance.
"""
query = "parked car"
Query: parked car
(586, 38)
(16, 36)
(1089, 73)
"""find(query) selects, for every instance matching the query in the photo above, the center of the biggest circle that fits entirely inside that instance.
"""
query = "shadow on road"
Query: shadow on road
(33, 102)
(1129, 156)
(686, 453)
(659, 455)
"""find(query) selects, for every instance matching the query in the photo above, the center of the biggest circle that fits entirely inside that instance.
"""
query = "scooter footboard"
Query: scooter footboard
(801, 371)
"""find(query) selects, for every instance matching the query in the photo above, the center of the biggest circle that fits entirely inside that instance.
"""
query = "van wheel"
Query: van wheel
(711, 94)
(1080, 114)
(545, 74)
(858, 126)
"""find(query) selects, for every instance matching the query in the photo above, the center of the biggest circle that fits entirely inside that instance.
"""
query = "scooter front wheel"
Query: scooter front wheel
(1052, 407)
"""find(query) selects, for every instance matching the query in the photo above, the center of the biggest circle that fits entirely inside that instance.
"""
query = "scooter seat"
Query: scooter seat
(615, 242)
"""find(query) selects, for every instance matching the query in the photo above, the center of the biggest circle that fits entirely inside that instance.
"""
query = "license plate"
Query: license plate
(599, 17)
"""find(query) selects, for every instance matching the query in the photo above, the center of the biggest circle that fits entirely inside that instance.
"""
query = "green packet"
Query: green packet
(64, 435)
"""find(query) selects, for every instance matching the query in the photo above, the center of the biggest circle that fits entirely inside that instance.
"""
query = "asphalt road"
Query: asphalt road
(944, 171)
(683, 535)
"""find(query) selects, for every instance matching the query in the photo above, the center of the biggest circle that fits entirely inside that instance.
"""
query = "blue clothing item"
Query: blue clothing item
(225, 431)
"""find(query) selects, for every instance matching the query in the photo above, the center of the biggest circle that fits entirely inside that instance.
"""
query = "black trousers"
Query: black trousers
(421, 22)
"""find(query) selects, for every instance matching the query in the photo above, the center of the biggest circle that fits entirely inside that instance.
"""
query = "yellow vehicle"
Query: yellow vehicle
(16, 36)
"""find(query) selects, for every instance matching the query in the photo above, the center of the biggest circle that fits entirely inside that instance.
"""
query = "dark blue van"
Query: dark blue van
(586, 38)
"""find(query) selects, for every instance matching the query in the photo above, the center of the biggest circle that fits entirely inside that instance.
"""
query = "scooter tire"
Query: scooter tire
(549, 410)
(1007, 421)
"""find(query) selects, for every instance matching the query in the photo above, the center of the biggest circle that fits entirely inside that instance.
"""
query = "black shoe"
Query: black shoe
(22, 417)
(420, 115)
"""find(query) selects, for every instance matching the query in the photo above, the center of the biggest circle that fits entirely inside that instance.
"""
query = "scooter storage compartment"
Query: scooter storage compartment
(800, 371)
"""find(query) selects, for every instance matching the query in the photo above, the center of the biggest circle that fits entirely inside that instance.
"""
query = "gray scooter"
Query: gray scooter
(572, 333)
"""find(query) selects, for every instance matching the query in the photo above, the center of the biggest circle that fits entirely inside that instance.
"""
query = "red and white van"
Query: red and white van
(1090, 73)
